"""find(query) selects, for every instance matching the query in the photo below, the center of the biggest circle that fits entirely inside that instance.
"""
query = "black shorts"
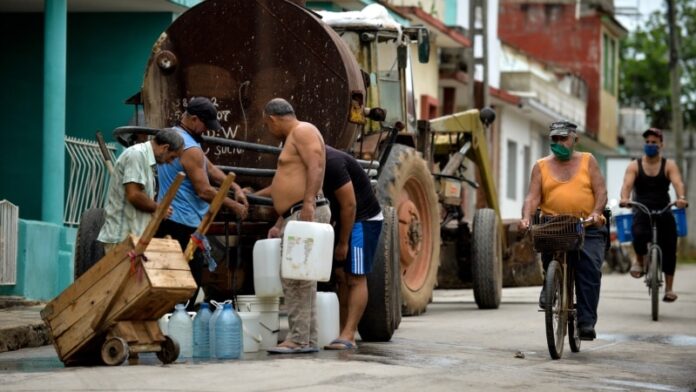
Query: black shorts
(666, 238)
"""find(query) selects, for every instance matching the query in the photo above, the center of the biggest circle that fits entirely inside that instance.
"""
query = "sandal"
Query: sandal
(670, 296)
(636, 270)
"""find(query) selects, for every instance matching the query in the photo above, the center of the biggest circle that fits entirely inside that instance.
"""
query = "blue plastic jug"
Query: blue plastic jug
(211, 327)
(201, 332)
(228, 340)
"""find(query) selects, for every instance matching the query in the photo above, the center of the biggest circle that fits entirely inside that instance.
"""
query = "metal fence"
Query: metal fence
(9, 226)
(89, 178)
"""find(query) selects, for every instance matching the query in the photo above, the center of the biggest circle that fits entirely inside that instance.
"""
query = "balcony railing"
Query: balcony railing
(526, 84)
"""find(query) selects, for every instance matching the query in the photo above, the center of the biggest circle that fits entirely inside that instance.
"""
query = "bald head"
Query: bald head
(278, 107)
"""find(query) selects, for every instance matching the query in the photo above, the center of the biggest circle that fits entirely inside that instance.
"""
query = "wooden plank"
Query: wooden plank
(210, 215)
(155, 304)
(93, 276)
(145, 348)
(125, 330)
(174, 279)
(84, 307)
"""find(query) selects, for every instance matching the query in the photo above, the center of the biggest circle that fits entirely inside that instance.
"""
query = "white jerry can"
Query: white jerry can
(267, 268)
(307, 251)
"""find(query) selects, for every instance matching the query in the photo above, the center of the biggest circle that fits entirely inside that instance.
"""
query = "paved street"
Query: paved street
(453, 347)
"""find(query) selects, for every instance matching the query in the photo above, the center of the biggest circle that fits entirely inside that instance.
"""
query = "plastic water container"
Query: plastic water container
(623, 227)
(269, 321)
(267, 268)
(163, 323)
(228, 339)
(252, 331)
(181, 329)
(680, 218)
(328, 319)
(201, 332)
(307, 251)
(211, 326)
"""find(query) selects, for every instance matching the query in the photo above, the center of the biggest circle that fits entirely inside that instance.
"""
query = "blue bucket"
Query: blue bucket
(680, 217)
(623, 227)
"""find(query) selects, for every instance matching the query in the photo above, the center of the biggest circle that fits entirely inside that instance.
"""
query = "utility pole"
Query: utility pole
(675, 75)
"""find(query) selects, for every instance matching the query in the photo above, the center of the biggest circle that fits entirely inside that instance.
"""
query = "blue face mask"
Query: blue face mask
(651, 150)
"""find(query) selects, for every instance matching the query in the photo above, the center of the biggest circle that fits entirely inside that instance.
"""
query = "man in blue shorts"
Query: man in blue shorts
(358, 223)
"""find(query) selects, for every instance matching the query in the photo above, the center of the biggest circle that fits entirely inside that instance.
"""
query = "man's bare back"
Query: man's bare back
(303, 148)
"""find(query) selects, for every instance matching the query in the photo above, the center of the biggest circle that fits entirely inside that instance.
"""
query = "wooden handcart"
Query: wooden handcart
(111, 311)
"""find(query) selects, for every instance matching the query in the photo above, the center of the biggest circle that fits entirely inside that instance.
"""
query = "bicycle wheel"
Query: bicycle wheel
(654, 273)
(573, 330)
(556, 317)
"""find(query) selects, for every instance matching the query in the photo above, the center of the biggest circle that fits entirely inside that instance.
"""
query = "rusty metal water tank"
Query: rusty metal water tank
(242, 53)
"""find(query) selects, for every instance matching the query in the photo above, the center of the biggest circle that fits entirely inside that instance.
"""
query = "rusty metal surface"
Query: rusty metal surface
(242, 53)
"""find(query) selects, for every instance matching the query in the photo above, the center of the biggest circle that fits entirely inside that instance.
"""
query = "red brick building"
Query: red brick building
(581, 37)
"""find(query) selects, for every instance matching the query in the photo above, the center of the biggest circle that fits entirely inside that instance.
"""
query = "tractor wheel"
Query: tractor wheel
(383, 312)
(407, 184)
(87, 249)
(486, 259)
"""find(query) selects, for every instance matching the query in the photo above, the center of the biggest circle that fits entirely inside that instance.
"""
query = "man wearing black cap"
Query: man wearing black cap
(570, 182)
(649, 178)
(195, 193)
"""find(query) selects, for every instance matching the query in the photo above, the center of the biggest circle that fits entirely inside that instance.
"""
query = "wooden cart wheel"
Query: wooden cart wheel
(169, 350)
(114, 351)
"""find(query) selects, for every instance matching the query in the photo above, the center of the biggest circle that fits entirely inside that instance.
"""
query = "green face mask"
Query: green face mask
(561, 152)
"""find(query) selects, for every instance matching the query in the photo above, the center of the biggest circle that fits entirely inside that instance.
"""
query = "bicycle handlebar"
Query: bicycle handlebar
(647, 211)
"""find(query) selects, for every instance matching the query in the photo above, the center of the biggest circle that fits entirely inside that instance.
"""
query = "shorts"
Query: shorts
(362, 248)
(666, 238)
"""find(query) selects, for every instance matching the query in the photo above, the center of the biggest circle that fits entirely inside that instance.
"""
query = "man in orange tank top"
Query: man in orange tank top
(570, 182)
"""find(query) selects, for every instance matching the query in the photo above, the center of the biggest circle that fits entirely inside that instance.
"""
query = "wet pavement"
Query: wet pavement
(453, 346)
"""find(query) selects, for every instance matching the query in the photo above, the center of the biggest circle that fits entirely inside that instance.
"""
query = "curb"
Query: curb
(15, 338)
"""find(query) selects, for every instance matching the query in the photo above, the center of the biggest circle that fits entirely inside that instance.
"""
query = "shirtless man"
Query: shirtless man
(296, 194)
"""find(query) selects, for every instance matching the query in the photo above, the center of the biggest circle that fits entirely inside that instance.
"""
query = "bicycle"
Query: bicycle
(653, 277)
(559, 235)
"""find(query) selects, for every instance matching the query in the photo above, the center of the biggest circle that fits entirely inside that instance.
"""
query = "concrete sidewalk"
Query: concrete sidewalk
(21, 325)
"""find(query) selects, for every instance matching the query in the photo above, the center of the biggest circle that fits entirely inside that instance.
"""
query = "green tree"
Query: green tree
(644, 67)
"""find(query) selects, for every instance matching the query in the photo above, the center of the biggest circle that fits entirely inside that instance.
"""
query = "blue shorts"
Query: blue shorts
(362, 248)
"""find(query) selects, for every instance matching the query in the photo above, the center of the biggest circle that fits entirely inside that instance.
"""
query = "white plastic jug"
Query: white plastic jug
(252, 331)
(328, 319)
(267, 268)
(163, 323)
(269, 321)
(307, 251)
(181, 329)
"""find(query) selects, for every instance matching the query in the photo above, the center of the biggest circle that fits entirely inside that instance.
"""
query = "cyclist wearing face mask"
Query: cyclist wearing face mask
(570, 182)
(649, 178)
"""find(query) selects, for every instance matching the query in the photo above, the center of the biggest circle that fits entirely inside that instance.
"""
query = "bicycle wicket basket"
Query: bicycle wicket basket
(558, 233)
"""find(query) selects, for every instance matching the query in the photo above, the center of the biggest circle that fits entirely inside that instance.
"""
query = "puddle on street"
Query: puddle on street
(634, 385)
(672, 340)
(30, 365)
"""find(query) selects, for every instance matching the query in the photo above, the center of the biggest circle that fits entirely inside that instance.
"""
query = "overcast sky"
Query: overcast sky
(644, 7)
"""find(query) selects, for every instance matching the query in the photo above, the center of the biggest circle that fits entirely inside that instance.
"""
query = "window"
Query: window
(609, 64)
(511, 170)
(527, 167)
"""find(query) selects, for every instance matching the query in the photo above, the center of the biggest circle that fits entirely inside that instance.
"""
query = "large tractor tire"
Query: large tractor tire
(87, 249)
(382, 315)
(407, 184)
(486, 259)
